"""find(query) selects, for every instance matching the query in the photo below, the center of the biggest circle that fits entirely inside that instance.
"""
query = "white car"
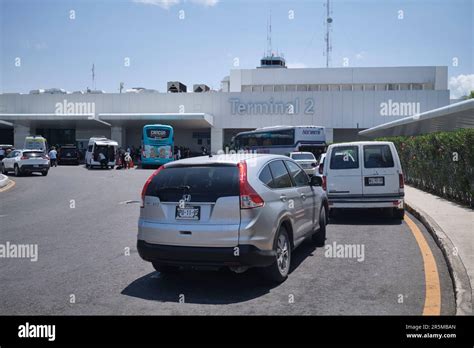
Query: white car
(26, 162)
(320, 166)
(306, 160)
(364, 175)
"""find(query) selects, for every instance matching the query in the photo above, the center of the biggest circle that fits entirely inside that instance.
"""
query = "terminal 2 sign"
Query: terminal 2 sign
(272, 107)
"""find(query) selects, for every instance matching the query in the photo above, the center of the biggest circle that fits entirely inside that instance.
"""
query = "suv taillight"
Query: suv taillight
(324, 185)
(249, 198)
(401, 181)
(155, 173)
(24, 158)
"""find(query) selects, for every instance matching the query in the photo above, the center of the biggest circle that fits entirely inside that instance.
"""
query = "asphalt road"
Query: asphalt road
(84, 222)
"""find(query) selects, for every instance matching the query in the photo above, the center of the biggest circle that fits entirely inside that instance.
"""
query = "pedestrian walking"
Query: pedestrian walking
(53, 156)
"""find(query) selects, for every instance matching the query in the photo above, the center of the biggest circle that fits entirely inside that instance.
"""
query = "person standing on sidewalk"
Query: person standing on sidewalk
(53, 156)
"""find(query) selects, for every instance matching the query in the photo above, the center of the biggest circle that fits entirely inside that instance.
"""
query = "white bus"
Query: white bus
(281, 140)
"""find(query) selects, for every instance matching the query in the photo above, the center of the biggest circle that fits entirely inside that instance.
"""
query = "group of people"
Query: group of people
(181, 152)
(127, 157)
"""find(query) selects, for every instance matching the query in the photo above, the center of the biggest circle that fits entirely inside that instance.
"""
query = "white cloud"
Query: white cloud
(296, 65)
(206, 3)
(166, 4)
(461, 85)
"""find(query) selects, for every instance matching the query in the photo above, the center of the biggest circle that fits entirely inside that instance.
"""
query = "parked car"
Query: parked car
(235, 211)
(68, 154)
(26, 162)
(320, 166)
(306, 160)
(364, 175)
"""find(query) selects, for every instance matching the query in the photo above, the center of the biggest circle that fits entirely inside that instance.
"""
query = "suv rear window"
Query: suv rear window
(281, 178)
(203, 183)
(344, 157)
(378, 156)
(32, 154)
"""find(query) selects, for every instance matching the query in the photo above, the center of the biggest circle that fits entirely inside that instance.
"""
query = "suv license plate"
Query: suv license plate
(188, 213)
(375, 181)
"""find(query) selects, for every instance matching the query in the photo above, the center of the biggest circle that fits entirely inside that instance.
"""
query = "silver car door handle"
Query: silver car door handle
(303, 196)
(283, 198)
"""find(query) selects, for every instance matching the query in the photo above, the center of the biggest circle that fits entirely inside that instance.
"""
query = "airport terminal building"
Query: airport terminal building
(344, 100)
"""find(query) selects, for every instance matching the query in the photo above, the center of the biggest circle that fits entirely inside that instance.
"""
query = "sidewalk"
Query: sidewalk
(452, 226)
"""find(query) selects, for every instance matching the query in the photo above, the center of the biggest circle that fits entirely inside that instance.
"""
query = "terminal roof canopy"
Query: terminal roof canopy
(447, 118)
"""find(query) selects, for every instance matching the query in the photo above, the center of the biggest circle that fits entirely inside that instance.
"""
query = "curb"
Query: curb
(4, 181)
(461, 282)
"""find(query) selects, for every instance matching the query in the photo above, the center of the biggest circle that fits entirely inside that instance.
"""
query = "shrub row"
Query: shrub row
(441, 163)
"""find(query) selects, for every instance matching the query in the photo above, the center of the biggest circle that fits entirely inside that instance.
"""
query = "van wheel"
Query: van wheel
(17, 170)
(278, 271)
(319, 238)
(165, 269)
(399, 214)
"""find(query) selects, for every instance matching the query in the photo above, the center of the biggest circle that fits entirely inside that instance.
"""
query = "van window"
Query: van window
(344, 157)
(203, 183)
(378, 156)
(299, 176)
(281, 178)
(266, 176)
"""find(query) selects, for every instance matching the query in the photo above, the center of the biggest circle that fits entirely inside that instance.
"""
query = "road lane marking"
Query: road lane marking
(7, 186)
(433, 290)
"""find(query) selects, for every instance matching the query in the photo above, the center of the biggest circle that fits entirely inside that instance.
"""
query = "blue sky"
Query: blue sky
(57, 51)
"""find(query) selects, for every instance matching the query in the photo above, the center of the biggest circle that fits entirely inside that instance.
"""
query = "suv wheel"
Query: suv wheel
(279, 270)
(44, 173)
(319, 238)
(162, 268)
(17, 170)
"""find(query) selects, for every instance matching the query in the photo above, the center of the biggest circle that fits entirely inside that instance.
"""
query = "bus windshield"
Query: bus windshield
(157, 144)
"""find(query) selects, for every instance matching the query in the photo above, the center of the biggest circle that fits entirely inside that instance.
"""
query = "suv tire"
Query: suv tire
(165, 269)
(278, 271)
(319, 238)
(17, 170)
(44, 173)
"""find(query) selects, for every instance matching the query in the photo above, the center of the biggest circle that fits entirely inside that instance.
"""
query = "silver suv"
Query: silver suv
(237, 211)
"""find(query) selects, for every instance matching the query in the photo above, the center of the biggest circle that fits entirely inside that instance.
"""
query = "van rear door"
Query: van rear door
(344, 171)
(379, 171)
(193, 206)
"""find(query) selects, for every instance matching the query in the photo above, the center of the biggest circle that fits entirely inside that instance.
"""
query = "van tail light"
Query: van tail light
(324, 185)
(145, 187)
(249, 198)
(401, 181)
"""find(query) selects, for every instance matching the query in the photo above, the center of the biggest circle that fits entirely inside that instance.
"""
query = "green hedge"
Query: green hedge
(441, 163)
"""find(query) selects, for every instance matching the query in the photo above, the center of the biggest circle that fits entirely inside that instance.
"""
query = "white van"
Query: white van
(36, 142)
(364, 175)
(98, 145)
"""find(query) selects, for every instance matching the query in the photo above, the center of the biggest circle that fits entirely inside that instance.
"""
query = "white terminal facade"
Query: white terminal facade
(343, 100)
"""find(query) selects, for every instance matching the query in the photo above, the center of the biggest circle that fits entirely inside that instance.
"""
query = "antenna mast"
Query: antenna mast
(93, 76)
(327, 39)
(269, 36)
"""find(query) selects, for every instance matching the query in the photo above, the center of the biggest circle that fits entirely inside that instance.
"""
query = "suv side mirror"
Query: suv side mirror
(316, 181)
